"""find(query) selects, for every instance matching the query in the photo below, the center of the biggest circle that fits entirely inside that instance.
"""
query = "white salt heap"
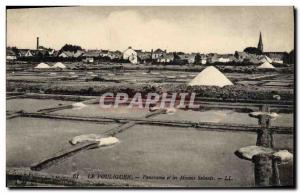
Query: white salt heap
(59, 65)
(102, 141)
(249, 151)
(285, 155)
(266, 65)
(42, 65)
(107, 141)
(82, 138)
(259, 113)
(277, 97)
(170, 111)
(210, 76)
(79, 105)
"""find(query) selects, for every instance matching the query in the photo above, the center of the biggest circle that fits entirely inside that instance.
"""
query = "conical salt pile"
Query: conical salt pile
(211, 76)
(59, 65)
(42, 65)
(266, 64)
(78, 105)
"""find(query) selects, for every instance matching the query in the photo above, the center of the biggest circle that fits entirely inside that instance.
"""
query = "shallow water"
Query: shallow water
(143, 150)
(29, 140)
(214, 116)
(224, 116)
(96, 110)
(164, 151)
(33, 105)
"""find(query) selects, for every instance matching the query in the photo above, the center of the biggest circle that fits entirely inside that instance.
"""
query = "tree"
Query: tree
(198, 59)
(15, 50)
(70, 48)
(252, 50)
(176, 56)
(289, 58)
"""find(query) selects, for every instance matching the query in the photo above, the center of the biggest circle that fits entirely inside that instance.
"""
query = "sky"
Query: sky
(188, 29)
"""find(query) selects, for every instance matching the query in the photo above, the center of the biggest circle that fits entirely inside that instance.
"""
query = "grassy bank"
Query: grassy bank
(227, 93)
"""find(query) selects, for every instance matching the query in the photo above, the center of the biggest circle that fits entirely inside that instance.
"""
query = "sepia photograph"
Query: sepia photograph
(150, 97)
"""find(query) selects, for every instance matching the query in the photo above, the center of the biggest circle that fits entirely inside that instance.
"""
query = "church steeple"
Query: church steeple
(260, 43)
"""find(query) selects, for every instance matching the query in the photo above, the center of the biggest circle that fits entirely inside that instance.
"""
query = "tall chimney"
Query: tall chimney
(37, 43)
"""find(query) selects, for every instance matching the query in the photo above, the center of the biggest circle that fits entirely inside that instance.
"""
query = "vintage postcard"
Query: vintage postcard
(150, 97)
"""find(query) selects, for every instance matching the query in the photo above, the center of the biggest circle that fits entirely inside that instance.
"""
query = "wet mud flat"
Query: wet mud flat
(147, 153)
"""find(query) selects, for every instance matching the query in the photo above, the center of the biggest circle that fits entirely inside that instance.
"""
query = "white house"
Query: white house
(158, 53)
(130, 55)
(166, 58)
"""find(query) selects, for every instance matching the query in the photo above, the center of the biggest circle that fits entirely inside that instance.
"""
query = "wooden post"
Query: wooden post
(266, 166)
(263, 170)
(264, 135)
(275, 176)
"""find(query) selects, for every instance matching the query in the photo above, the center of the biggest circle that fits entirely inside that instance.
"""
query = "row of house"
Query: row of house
(158, 55)
(138, 56)
(132, 55)
(162, 56)
(89, 55)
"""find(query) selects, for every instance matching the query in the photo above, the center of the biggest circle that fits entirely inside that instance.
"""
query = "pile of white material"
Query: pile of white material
(42, 65)
(250, 151)
(277, 97)
(210, 76)
(79, 105)
(83, 138)
(284, 155)
(108, 141)
(102, 140)
(170, 111)
(259, 113)
(59, 65)
(266, 65)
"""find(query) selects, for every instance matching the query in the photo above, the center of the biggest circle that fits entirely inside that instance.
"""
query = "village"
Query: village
(250, 55)
(77, 117)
